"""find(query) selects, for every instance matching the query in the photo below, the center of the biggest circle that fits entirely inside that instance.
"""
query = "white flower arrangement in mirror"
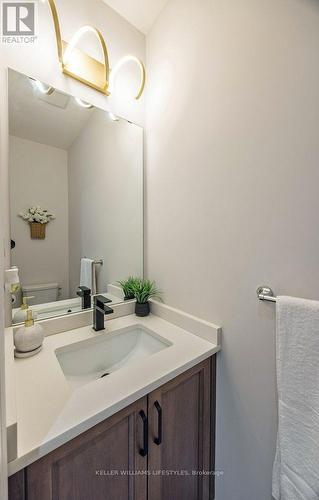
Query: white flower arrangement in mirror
(37, 218)
(37, 214)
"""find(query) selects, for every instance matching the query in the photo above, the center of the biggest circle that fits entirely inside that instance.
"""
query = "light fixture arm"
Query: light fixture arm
(74, 41)
(87, 69)
(57, 29)
(119, 66)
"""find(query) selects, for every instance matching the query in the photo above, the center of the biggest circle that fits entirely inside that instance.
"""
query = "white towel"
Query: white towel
(88, 275)
(296, 467)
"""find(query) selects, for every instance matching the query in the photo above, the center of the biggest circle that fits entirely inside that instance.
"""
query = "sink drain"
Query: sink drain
(104, 375)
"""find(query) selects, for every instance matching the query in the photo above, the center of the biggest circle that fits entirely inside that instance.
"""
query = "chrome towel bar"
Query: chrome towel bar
(98, 262)
(266, 293)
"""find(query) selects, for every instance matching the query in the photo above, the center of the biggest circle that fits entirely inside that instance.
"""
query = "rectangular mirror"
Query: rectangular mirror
(76, 199)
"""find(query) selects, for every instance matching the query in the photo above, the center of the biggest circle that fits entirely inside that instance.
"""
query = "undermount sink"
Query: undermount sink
(99, 357)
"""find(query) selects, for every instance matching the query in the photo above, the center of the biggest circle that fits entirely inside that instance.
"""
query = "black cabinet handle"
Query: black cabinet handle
(144, 451)
(158, 439)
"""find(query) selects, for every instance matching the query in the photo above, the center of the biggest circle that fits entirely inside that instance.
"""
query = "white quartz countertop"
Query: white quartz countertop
(49, 412)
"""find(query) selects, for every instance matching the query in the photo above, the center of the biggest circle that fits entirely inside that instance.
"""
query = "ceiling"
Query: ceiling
(55, 120)
(141, 13)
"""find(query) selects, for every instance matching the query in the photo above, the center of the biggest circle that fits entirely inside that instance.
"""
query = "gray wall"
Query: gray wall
(232, 195)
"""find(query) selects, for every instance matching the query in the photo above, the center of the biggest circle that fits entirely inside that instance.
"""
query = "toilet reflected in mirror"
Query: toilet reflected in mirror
(76, 199)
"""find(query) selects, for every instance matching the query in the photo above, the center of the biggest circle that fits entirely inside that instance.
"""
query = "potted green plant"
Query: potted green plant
(143, 291)
(127, 286)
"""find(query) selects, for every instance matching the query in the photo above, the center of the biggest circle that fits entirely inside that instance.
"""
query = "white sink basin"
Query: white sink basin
(98, 357)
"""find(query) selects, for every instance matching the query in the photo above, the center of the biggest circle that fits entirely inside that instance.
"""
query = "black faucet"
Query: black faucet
(85, 293)
(99, 310)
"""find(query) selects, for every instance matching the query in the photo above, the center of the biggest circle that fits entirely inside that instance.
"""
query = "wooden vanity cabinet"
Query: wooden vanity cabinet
(82, 468)
(180, 437)
(158, 448)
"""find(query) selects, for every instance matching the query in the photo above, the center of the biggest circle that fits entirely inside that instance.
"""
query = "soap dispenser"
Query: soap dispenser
(21, 315)
(28, 339)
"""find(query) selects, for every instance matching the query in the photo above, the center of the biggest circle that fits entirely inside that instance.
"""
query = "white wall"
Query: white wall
(106, 199)
(39, 176)
(232, 195)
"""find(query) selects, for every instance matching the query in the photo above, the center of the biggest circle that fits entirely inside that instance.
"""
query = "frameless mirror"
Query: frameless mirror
(76, 199)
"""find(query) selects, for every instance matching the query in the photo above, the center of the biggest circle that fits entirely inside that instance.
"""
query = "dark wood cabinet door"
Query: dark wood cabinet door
(16, 485)
(97, 465)
(182, 451)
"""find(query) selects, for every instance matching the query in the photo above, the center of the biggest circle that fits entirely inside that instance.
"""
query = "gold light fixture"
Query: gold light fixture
(84, 68)
(119, 66)
(76, 63)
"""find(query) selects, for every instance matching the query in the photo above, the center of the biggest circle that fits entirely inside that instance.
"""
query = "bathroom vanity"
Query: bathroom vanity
(145, 430)
(169, 433)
